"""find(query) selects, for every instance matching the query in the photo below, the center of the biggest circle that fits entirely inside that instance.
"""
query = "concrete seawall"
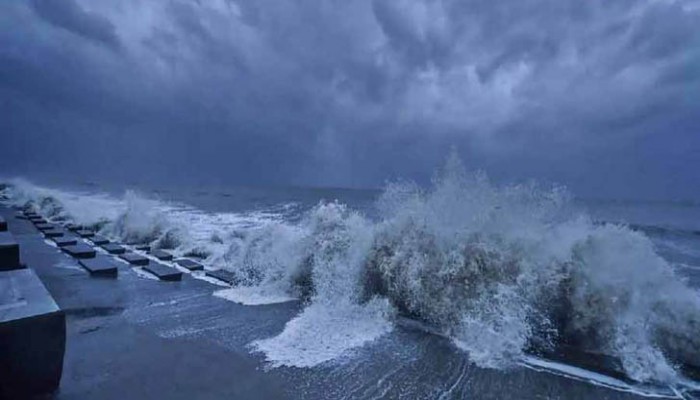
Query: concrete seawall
(116, 345)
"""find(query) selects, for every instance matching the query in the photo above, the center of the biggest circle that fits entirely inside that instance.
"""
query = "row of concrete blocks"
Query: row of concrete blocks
(32, 328)
(103, 266)
(63, 240)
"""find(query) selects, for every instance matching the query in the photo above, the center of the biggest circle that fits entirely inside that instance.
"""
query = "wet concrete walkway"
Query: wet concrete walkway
(122, 333)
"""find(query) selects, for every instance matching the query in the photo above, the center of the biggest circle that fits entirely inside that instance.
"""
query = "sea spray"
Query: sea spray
(478, 262)
(507, 270)
(337, 319)
(135, 217)
(502, 270)
(80, 208)
(142, 221)
(269, 254)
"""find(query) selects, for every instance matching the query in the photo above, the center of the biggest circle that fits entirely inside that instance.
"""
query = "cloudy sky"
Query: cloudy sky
(602, 96)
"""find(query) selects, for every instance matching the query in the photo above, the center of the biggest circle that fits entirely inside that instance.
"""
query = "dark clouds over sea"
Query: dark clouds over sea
(601, 96)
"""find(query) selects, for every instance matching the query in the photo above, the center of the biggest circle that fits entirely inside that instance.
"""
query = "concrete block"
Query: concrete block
(3, 224)
(99, 240)
(44, 226)
(63, 241)
(85, 233)
(100, 266)
(37, 219)
(21, 216)
(142, 247)
(32, 337)
(9, 252)
(134, 259)
(189, 264)
(161, 255)
(54, 233)
(113, 248)
(223, 275)
(80, 250)
(73, 227)
(164, 273)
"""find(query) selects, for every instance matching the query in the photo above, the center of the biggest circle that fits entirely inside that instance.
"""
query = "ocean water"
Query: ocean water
(513, 277)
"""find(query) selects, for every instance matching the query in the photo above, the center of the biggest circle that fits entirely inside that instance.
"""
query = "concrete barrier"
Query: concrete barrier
(100, 266)
(134, 259)
(224, 276)
(80, 250)
(54, 233)
(9, 252)
(189, 264)
(163, 272)
(85, 233)
(73, 227)
(113, 248)
(161, 255)
(63, 241)
(44, 226)
(99, 240)
(32, 337)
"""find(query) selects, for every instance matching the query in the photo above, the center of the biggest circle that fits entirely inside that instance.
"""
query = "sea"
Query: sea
(461, 288)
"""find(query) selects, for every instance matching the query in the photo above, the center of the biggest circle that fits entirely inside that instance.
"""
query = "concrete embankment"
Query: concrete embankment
(120, 329)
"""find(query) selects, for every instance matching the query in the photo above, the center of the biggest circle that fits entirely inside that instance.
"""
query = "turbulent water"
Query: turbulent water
(503, 271)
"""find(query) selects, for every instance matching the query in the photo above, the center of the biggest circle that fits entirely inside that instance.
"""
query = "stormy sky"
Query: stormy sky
(602, 96)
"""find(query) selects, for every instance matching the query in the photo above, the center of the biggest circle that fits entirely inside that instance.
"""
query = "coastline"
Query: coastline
(135, 338)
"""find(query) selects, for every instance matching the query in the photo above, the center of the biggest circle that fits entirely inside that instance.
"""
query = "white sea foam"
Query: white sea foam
(79, 207)
(143, 274)
(598, 379)
(254, 296)
(139, 219)
(324, 332)
(500, 270)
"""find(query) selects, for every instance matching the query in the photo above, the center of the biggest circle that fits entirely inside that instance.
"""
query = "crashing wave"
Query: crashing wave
(503, 271)
(134, 218)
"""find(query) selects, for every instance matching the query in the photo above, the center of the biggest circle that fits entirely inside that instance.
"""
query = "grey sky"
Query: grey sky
(603, 96)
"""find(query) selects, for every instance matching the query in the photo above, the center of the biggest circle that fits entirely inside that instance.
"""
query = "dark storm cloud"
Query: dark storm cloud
(602, 96)
(69, 15)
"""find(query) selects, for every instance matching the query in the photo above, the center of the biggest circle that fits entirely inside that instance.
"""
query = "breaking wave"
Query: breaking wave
(503, 271)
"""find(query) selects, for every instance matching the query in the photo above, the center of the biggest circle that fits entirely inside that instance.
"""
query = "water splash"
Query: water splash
(502, 270)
